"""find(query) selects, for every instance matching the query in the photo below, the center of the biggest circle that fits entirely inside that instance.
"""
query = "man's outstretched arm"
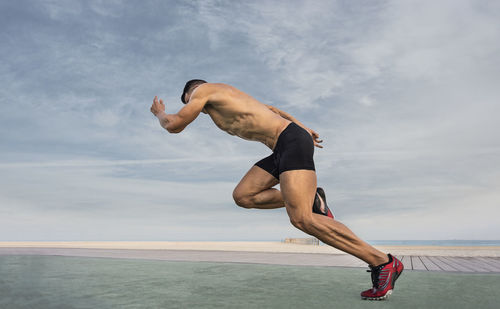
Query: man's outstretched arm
(175, 123)
(314, 135)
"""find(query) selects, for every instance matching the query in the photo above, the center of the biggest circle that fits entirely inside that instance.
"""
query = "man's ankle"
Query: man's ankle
(381, 260)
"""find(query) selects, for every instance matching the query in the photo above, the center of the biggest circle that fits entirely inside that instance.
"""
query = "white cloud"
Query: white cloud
(366, 101)
(404, 93)
(58, 9)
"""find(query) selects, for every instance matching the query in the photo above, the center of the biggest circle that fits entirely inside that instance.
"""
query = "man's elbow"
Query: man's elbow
(274, 109)
(174, 126)
(172, 129)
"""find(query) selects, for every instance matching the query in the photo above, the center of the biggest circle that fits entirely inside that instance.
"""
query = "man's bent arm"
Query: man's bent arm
(314, 135)
(286, 116)
(175, 123)
(167, 121)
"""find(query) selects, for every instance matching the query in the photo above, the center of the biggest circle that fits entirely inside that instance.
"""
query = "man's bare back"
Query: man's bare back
(239, 114)
(233, 111)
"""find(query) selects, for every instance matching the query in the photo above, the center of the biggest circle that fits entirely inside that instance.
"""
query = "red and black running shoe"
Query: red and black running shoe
(319, 206)
(383, 278)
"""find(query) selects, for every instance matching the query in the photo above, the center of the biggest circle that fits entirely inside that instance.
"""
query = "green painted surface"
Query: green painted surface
(71, 282)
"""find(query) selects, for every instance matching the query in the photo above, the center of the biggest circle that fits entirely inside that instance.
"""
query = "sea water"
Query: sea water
(446, 243)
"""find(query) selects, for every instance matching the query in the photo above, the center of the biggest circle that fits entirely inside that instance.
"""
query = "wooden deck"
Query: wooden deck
(411, 262)
(451, 263)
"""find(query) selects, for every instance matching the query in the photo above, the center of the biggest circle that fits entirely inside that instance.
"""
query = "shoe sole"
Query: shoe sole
(386, 296)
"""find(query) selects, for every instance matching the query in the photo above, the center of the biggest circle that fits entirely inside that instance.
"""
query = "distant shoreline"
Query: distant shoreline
(441, 243)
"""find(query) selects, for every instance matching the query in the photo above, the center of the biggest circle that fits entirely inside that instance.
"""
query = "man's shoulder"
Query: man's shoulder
(214, 92)
(209, 88)
(217, 87)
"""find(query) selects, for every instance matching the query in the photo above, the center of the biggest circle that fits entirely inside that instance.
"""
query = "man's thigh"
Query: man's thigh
(255, 180)
(298, 188)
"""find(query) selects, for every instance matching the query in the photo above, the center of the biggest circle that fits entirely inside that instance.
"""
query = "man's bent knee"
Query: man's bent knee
(302, 222)
(241, 199)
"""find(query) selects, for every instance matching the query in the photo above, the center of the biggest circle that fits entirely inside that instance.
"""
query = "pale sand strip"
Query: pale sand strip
(260, 246)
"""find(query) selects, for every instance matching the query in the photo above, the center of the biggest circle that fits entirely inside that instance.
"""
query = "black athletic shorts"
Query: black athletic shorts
(294, 150)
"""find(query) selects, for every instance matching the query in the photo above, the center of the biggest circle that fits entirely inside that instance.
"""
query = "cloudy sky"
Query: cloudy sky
(405, 95)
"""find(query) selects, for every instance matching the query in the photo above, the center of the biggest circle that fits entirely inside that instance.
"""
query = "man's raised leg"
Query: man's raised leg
(255, 190)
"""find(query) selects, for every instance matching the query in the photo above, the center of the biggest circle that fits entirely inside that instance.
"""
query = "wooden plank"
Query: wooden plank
(472, 263)
(488, 262)
(455, 263)
(408, 261)
(405, 259)
(429, 264)
(493, 260)
(399, 257)
(441, 264)
(417, 263)
(483, 264)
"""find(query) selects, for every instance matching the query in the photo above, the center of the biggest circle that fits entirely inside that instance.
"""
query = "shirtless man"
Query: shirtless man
(291, 165)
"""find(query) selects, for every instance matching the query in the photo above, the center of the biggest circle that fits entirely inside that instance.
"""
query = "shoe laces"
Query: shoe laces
(375, 273)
